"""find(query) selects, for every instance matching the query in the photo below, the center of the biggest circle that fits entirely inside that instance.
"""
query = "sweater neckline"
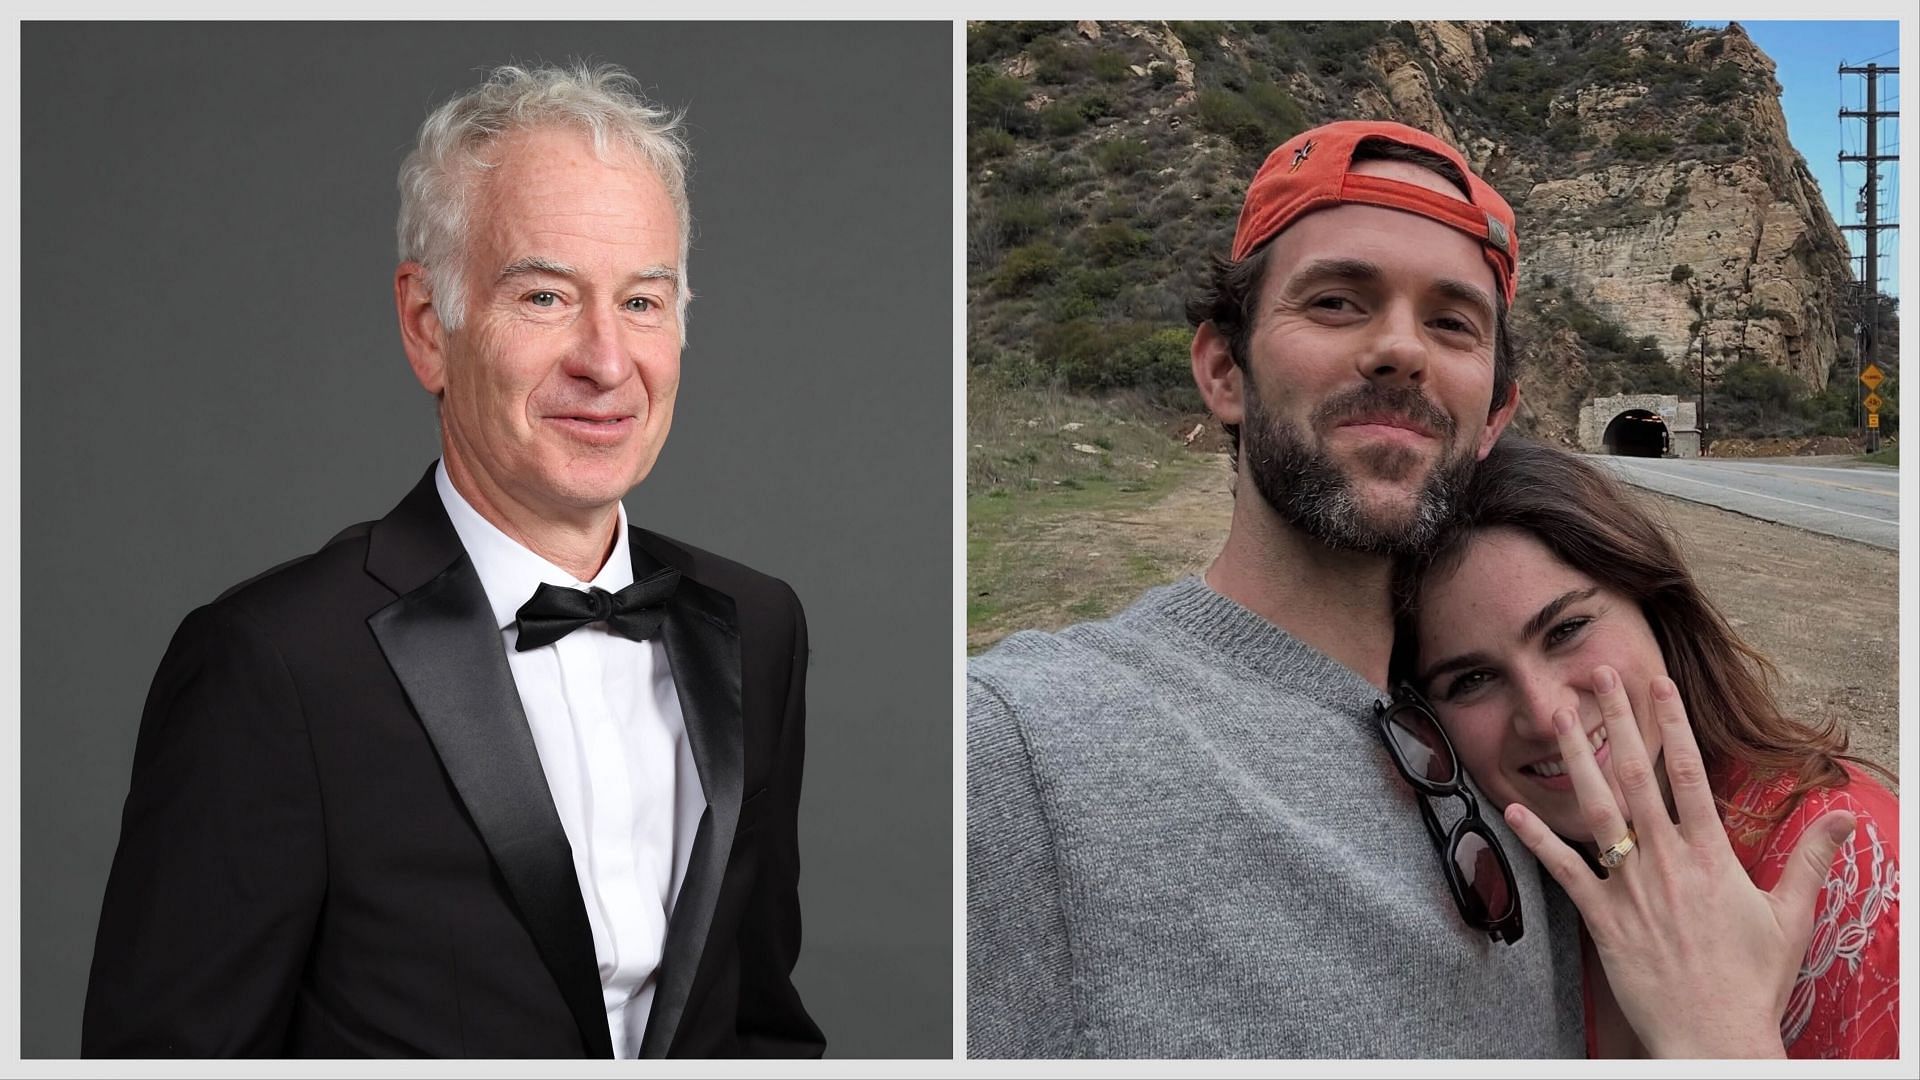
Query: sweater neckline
(1268, 652)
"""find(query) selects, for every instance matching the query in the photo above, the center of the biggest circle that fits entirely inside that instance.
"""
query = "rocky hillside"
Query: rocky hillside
(1663, 215)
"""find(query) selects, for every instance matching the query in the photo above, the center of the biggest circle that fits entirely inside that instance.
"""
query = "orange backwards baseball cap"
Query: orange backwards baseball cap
(1312, 171)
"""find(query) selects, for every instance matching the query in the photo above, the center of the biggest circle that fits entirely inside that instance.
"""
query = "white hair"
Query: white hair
(436, 180)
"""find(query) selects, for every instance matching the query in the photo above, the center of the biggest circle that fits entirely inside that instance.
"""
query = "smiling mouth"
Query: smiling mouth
(1395, 423)
(1556, 766)
(588, 418)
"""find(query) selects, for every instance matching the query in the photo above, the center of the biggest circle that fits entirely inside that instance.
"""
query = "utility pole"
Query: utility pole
(1700, 420)
(1870, 206)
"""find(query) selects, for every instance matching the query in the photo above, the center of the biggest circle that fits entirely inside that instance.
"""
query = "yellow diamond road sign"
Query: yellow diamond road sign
(1872, 402)
(1872, 377)
(1873, 419)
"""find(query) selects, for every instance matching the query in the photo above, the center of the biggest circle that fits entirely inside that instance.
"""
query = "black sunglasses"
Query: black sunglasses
(1477, 870)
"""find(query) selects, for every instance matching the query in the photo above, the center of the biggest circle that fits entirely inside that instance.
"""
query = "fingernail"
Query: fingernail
(1512, 814)
(1604, 680)
(1840, 829)
(1663, 689)
(1563, 721)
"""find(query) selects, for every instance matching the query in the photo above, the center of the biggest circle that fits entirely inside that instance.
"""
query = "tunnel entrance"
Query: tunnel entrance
(1637, 433)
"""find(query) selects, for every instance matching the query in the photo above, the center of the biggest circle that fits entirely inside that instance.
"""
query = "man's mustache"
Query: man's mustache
(1372, 399)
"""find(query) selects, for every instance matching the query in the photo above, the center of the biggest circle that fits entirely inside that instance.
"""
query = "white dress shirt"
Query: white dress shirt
(613, 744)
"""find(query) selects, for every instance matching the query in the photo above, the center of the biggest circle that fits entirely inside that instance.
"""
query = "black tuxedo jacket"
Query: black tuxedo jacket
(339, 841)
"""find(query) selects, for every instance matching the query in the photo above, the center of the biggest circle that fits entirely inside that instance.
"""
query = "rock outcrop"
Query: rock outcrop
(1648, 165)
(1730, 256)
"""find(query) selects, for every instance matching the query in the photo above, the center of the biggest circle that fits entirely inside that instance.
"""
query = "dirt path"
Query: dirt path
(1823, 610)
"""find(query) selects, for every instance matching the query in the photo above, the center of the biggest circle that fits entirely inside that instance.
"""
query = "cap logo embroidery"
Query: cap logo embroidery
(1300, 156)
(1497, 234)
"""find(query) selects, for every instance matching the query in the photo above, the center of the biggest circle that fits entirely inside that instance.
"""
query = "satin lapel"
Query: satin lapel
(440, 639)
(702, 639)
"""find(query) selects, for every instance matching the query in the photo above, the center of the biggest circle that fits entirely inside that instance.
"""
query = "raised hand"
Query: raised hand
(1700, 959)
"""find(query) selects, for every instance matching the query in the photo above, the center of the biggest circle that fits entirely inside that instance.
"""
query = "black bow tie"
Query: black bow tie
(634, 612)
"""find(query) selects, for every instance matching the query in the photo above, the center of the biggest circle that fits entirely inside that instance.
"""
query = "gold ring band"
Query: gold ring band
(1618, 853)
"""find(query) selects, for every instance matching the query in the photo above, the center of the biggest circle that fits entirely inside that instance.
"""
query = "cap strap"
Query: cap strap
(1445, 209)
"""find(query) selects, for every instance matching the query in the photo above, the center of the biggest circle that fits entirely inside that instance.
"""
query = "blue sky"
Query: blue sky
(1808, 56)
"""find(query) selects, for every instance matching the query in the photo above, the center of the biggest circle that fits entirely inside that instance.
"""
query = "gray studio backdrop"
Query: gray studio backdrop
(212, 383)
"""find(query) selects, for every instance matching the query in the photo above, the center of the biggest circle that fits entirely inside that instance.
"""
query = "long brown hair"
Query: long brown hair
(1588, 521)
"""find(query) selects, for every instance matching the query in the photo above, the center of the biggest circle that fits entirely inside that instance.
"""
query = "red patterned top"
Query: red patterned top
(1846, 1000)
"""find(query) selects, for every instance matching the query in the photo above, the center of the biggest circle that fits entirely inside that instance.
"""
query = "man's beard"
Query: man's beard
(1308, 489)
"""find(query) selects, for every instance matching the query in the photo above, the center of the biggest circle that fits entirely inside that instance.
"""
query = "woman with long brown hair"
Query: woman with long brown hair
(1593, 691)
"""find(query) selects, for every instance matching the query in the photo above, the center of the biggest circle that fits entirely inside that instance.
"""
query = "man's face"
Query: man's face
(1370, 372)
(559, 388)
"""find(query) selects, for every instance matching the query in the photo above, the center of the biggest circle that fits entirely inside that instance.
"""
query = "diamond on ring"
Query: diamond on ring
(1618, 853)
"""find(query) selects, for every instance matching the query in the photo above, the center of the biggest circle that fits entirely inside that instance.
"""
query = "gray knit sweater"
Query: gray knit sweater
(1184, 839)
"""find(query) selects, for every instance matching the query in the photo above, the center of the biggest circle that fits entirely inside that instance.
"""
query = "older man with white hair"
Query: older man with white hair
(497, 775)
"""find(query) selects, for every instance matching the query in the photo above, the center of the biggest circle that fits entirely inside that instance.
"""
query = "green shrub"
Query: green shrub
(1284, 115)
(1227, 113)
(1094, 284)
(1722, 83)
(1258, 121)
(1021, 219)
(1163, 359)
(995, 99)
(1094, 105)
(1343, 38)
(1055, 61)
(1063, 307)
(987, 143)
(1830, 412)
(1757, 399)
(1657, 70)
(1652, 378)
(1517, 87)
(1758, 383)
(1565, 134)
(992, 40)
(1646, 351)
(1200, 38)
(1121, 156)
(1032, 176)
(1062, 118)
(1089, 355)
(1025, 267)
(1110, 66)
(1115, 242)
(1681, 272)
(1639, 147)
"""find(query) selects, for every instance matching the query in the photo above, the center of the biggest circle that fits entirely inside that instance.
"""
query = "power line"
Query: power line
(1875, 56)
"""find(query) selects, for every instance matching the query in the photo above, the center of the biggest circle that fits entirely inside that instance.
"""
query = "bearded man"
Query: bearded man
(1185, 836)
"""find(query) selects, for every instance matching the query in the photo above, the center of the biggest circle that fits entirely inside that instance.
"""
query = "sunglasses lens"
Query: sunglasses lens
(1421, 746)
(1488, 886)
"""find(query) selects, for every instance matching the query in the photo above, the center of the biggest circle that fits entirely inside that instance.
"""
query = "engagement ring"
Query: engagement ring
(1618, 853)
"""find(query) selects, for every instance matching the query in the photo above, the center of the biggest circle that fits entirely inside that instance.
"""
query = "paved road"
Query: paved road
(1851, 502)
